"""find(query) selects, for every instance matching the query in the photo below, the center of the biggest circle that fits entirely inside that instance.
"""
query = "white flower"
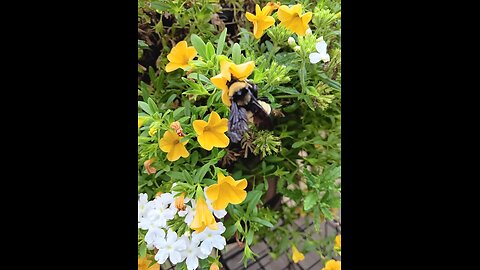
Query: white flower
(211, 239)
(161, 212)
(142, 201)
(321, 53)
(291, 41)
(192, 252)
(170, 247)
(153, 236)
(189, 212)
(308, 32)
(149, 217)
(218, 213)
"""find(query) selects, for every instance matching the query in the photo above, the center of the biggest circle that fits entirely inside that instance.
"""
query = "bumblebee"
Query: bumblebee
(246, 107)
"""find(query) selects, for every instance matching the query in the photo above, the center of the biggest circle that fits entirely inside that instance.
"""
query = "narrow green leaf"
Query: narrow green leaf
(221, 41)
(298, 144)
(199, 45)
(210, 51)
(152, 105)
(261, 221)
(236, 54)
(144, 106)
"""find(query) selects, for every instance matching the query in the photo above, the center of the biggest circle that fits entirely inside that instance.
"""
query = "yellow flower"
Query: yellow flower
(203, 217)
(140, 122)
(143, 264)
(179, 56)
(152, 131)
(227, 70)
(292, 19)
(338, 242)
(226, 191)
(261, 20)
(170, 143)
(273, 6)
(332, 265)
(148, 166)
(297, 255)
(211, 134)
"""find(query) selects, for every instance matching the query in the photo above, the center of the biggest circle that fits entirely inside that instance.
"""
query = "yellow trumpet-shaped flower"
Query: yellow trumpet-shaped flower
(203, 217)
(226, 191)
(338, 242)
(292, 19)
(170, 143)
(229, 70)
(144, 262)
(297, 255)
(272, 6)
(261, 20)
(179, 56)
(211, 134)
(332, 265)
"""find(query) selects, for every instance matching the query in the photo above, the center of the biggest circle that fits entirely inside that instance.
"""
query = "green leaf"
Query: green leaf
(255, 196)
(249, 237)
(143, 249)
(200, 77)
(310, 201)
(221, 41)
(145, 107)
(199, 45)
(210, 51)
(230, 231)
(152, 105)
(298, 144)
(327, 213)
(170, 99)
(178, 111)
(201, 173)
(236, 54)
(261, 221)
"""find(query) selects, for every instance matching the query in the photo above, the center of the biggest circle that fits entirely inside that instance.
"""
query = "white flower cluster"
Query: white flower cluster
(153, 216)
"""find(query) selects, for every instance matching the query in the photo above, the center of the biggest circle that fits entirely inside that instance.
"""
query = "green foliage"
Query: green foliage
(299, 158)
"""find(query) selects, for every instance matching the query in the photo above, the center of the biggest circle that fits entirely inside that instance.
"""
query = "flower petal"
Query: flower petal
(177, 52)
(284, 13)
(220, 82)
(175, 257)
(192, 262)
(161, 256)
(177, 151)
(225, 69)
(242, 71)
(190, 53)
(226, 98)
(321, 47)
(213, 192)
(172, 66)
(315, 58)
(250, 17)
(306, 18)
(199, 126)
(214, 139)
(296, 9)
(241, 184)
(166, 143)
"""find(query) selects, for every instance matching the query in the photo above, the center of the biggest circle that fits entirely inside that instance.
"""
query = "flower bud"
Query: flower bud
(148, 166)
(291, 41)
(214, 266)
(296, 48)
(308, 32)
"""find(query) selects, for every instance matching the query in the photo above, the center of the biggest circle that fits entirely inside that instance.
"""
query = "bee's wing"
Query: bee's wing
(237, 122)
(261, 117)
